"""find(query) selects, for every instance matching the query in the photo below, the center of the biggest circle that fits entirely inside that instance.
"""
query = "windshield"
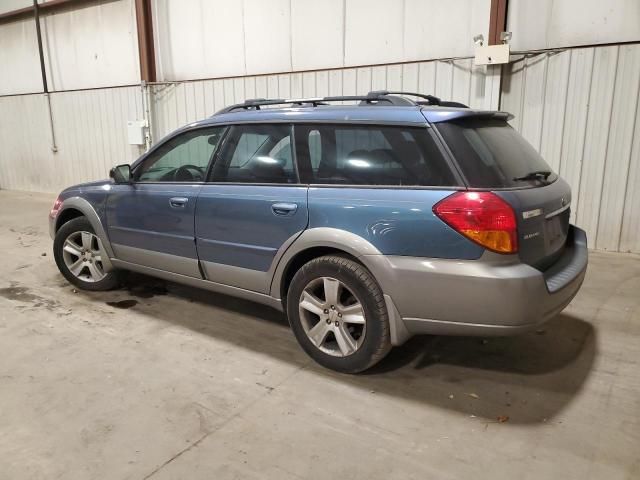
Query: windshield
(492, 154)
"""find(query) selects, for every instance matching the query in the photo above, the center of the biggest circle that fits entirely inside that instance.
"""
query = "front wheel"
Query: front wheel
(338, 314)
(78, 254)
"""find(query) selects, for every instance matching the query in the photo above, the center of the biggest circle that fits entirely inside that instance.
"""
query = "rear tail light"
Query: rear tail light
(56, 206)
(482, 217)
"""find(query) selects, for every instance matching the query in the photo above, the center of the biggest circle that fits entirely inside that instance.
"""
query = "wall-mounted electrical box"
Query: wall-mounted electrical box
(492, 54)
(136, 130)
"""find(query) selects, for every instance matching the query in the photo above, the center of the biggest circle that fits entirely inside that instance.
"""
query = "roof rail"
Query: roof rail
(376, 97)
(430, 99)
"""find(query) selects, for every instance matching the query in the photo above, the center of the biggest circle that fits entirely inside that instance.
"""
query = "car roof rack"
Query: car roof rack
(430, 99)
(376, 97)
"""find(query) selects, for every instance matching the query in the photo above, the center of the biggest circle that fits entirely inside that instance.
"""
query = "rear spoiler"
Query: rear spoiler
(435, 115)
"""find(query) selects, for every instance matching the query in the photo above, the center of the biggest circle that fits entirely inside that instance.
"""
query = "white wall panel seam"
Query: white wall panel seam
(522, 91)
(606, 149)
(564, 115)
(629, 164)
(543, 96)
(584, 137)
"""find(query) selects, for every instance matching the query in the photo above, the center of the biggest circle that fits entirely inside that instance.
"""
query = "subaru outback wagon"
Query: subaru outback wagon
(367, 221)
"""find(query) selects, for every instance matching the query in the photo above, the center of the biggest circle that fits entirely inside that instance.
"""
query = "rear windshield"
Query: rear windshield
(370, 155)
(492, 154)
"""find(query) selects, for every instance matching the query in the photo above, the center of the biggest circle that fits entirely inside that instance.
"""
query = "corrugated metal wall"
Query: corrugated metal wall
(90, 125)
(176, 104)
(271, 36)
(580, 109)
(543, 24)
(91, 136)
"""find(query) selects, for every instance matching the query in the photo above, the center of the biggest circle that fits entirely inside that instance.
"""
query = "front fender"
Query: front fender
(83, 206)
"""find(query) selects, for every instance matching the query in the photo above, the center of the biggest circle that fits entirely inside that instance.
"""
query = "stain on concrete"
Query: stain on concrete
(146, 290)
(142, 286)
(22, 294)
(123, 304)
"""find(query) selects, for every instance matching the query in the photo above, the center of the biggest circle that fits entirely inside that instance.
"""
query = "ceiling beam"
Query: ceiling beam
(497, 21)
(146, 51)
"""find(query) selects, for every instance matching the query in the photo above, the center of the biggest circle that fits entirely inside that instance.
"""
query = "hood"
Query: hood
(99, 184)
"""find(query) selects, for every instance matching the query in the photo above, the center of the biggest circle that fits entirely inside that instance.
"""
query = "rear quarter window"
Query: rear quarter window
(370, 155)
(491, 154)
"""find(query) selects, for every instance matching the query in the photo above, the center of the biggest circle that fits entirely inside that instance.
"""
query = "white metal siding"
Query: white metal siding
(10, 5)
(544, 24)
(249, 37)
(90, 128)
(95, 45)
(580, 108)
(176, 104)
(19, 60)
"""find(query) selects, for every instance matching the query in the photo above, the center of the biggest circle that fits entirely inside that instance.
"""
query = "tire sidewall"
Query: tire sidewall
(76, 225)
(377, 324)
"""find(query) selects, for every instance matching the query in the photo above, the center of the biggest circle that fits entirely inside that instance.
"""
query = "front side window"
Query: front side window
(183, 158)
(256, 154)
(370, 155)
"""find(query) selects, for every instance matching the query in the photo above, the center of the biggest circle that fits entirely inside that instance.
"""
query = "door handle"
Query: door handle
(178, 202)
(284, 209)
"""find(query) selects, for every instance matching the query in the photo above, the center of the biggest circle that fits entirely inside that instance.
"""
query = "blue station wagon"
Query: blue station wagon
(367, 219)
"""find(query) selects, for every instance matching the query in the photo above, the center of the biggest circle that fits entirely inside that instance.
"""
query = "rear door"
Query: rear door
(150, 222)
(251, 208)
(493, 156)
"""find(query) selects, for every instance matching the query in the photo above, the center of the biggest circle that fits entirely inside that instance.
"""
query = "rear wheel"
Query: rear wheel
(79, 255)
(338, 314)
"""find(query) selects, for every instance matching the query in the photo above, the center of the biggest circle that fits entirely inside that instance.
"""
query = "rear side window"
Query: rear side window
(370, 155)
(491, 154)
(256, 154)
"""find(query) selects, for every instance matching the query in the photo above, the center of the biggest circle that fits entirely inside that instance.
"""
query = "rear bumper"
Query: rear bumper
(495, 295)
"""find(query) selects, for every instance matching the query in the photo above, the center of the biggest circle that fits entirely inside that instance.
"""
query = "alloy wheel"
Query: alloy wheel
(332, 317)
(82, 255)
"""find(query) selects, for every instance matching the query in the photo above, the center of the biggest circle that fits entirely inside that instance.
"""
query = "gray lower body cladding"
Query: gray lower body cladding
(495, 295)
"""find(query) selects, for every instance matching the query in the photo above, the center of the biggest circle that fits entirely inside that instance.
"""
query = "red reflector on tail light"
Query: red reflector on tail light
(482, 217)
(56, 206)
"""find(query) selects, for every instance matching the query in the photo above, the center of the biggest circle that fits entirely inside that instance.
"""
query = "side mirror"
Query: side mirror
(121, 174)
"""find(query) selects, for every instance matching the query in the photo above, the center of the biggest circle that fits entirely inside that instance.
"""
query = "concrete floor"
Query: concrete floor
(188, 384)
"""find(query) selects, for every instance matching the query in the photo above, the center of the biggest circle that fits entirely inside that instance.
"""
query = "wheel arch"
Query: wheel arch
(66, 215)
(303, 257)
(321, 241)
(75, 207)
(314, 243)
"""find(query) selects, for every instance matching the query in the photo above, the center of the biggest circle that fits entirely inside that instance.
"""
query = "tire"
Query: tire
(82, 242)
(344, 342)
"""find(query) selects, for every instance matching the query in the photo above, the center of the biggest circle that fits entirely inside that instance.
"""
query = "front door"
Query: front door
(150, 222)
(252, 208)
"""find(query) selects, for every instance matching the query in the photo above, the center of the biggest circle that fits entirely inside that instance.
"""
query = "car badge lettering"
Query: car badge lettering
(532, 213)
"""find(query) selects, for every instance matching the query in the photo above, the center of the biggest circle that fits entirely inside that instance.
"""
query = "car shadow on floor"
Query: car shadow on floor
(524, 379)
